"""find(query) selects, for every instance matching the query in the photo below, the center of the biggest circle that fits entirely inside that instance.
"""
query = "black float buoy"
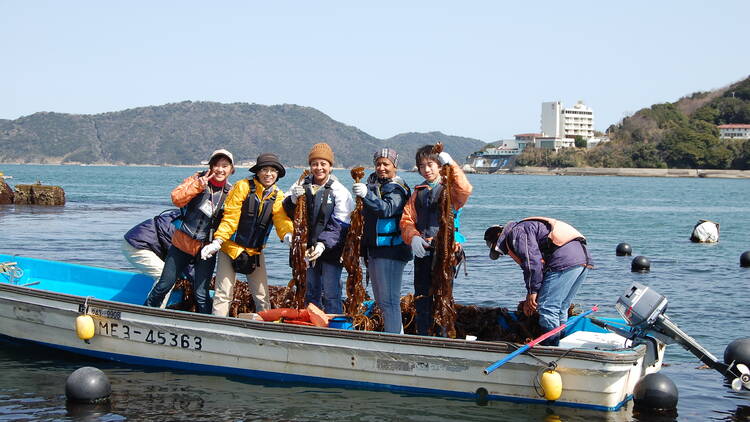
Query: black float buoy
(482, 395)
(87, 385)
(655, 392)
(745, 259)
(623, 249)
(640, 264)
(738, 351)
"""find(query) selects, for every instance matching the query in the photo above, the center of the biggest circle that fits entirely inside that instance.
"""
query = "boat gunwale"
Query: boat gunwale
(619, 356)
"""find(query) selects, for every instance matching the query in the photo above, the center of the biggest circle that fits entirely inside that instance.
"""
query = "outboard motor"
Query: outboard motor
(644, 310)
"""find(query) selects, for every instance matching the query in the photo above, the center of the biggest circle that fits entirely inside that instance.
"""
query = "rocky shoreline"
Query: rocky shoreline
(627, 172)
(36, 194)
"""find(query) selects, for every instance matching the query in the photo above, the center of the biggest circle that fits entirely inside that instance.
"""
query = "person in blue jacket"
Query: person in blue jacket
(383, 198)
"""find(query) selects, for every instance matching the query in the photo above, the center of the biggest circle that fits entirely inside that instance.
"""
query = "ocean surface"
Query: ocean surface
(707, 290)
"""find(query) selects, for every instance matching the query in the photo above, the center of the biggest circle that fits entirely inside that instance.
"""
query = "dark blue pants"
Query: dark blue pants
(422, 296)
(324, 287)
(175, 263)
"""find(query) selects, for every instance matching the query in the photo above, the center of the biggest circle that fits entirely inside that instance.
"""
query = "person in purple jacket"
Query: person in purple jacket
(554, 260)
(146, 244)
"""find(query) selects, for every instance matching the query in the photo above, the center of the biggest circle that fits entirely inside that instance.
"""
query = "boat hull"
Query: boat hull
(134, 334)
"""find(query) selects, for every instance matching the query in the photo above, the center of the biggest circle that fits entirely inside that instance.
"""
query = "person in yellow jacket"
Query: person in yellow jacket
(251, 208)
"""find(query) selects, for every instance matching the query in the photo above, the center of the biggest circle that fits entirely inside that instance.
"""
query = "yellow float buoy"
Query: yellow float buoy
(85, 327)
(551, 383)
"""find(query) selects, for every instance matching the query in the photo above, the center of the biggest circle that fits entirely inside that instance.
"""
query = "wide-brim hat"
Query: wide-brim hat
(268, 159)
(491, 235)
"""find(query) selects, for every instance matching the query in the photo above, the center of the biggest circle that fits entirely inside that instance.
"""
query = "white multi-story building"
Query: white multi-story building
(559, 122)
(734, 131)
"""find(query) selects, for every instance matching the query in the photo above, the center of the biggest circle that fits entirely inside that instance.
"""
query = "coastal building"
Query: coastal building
(550, 142)
(560, 126)
(502, 154)
(592, 142)
(734, 131)
(560, 122)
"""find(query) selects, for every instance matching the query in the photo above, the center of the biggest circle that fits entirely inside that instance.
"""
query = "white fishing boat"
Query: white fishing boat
(40, 301)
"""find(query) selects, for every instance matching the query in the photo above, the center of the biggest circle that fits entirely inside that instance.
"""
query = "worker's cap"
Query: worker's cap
(491, 235)
(219, 153)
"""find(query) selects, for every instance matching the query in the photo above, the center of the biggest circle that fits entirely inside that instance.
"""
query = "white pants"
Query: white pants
(257, 282)
(145, 261)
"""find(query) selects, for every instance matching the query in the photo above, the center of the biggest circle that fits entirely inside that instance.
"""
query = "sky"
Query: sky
(479, 69)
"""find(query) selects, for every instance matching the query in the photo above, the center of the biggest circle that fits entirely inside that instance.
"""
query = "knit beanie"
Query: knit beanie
(388, 153)
(321, 151)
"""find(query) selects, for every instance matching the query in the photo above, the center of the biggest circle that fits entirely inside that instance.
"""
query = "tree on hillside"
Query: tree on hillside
(695, 146)
(580, 142)
(742, 161)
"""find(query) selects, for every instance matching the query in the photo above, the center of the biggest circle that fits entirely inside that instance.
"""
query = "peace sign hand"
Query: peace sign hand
(206, 177)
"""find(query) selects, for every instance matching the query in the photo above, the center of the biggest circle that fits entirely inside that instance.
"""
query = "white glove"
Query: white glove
(359, 189)
(315, 251)
(445, 158)
(287, 240)
(209, 250)
(418, 246)
(297, 191)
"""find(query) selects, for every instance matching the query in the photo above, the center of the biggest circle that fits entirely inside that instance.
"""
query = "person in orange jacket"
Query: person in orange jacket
(421, 220)
(201, 198)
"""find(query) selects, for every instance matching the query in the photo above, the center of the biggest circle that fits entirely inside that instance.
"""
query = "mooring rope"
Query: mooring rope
(11, 270)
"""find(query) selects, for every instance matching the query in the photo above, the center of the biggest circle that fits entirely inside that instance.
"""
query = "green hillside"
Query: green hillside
(682, 134)
(187, 132)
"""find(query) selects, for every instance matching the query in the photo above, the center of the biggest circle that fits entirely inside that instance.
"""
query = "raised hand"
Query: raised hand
(206, 178)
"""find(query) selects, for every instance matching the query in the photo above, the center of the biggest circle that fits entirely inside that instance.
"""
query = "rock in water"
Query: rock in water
(6, 193)
(39, 194)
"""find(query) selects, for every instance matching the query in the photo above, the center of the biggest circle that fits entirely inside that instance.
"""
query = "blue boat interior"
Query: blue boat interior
(132, 288)
(80, 280)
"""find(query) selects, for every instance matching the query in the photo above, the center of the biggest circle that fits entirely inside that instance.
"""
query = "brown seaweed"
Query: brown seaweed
(242, 300)
(444, 258)
(478, 321)
(355, 291)
(297, 285)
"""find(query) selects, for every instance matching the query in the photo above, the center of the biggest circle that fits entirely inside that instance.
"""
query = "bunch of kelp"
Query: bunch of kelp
(484, 323)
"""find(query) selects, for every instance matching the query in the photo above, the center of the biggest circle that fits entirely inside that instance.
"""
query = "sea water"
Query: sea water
(708, 292)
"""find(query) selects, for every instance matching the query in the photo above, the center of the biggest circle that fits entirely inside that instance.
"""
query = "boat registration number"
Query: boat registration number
(163, 338)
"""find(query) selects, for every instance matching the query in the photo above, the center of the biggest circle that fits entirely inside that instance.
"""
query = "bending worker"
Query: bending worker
(145, 246)
(554, 260)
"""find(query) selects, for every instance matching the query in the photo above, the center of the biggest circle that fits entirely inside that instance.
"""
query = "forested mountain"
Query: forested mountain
(187, 132)
(682, 134)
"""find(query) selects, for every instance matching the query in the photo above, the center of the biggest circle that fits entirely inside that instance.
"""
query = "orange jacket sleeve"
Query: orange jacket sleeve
(186, 191)
(461, 188)
(408, 223)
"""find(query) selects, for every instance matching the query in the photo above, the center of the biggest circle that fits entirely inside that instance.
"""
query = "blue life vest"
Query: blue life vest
(253, 228)
(428, 212)
(387, 230)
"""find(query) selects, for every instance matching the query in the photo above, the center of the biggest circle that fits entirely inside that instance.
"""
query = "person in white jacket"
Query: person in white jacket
(329, 208)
